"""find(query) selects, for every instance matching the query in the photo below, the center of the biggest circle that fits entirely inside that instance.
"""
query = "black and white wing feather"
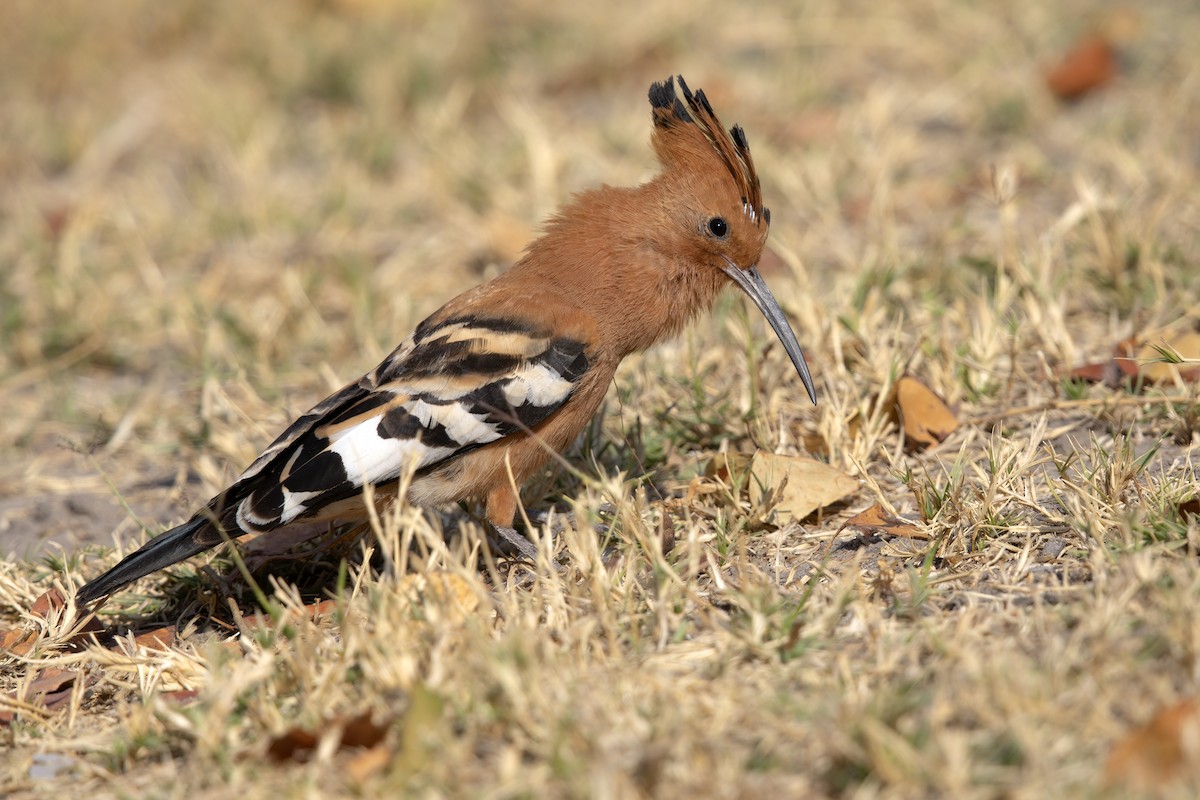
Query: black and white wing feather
(455, 385)
(451, 388)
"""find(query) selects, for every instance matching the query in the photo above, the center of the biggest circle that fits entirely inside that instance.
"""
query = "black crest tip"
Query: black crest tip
(739, 137)
(662, 96)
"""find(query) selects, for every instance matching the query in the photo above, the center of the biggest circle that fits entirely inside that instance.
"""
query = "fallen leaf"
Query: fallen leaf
(666, 533)
(1133, 359)
(47, 603)
(1111, 373)
(17, 642)
(362, 731)
(295, 744)
(298, 743)
(1165, 749)
(1089, 65)
(315, 611)
(158, 639)
(876, 520)
(799, 486)
(926, 418)
(51, 687)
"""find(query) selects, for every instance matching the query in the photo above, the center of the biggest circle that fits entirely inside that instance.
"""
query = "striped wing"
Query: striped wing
(456, 385)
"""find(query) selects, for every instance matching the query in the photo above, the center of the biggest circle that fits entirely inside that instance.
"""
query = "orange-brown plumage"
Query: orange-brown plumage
(486, 388)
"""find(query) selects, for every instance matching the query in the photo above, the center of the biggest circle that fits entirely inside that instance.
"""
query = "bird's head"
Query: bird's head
(715, 216)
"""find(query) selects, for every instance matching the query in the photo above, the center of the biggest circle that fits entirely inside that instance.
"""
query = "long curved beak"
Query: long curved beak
(751, 282)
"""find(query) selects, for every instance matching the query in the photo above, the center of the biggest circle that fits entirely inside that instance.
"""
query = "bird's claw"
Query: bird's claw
(509, 542)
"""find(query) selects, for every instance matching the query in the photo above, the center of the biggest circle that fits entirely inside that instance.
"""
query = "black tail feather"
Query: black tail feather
(163, 550)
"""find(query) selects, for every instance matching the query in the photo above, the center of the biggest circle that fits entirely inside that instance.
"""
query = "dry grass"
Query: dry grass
(213, 213)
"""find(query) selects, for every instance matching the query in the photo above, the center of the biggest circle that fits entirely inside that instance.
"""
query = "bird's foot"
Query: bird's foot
(508, 542)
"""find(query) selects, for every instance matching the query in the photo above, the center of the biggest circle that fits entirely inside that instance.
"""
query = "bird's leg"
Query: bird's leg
(501, 510)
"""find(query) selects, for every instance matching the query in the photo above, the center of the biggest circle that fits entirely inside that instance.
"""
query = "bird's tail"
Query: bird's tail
(163, 550)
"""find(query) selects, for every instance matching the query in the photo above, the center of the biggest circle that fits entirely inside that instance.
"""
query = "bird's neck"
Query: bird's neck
(605, 256)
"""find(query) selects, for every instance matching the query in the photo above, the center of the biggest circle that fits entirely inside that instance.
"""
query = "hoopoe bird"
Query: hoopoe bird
(485, 389)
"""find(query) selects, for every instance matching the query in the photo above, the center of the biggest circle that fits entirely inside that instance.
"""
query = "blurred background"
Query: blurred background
(212, 213)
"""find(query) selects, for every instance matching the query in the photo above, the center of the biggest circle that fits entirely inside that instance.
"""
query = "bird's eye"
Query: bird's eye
(767, 215)
(718, 227)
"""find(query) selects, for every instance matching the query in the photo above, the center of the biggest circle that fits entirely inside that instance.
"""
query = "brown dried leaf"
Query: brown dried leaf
(666, 533)
(1132, 359)
(49, 682)
(322, 608)
(1112, 373)
(297, 744)
(876, 520)
(926, 418)
(47, 603)
(1089, 65)
(158, 639)
(802, 484)
(362, 731)
(50, 689)
(1160, 752)
(17, 642)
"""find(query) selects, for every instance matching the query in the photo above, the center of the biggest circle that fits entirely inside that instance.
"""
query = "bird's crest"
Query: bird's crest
(684, 129)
